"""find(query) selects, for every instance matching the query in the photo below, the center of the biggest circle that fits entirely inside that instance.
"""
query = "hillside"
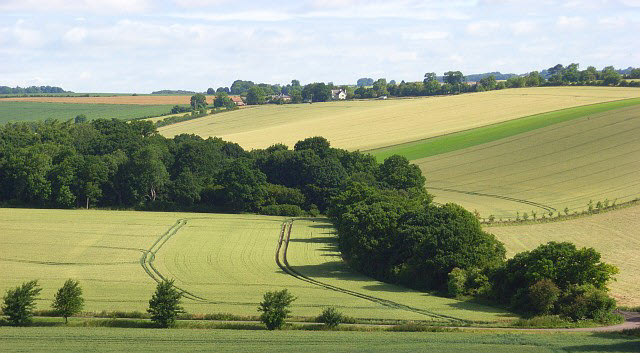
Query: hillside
(614, 234)
(370, 124)
(545, 170)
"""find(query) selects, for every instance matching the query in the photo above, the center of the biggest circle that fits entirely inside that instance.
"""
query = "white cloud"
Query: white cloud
(523, 27)
(482, 28)
(102, 6)
(571, 22)
(75, 35)
(428, 35)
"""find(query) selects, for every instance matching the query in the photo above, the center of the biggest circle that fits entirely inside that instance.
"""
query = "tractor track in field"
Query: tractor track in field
(149, 256)
(281, 251)
(526, 202)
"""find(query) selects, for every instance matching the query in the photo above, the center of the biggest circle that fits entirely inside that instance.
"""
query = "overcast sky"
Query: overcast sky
(145, 45)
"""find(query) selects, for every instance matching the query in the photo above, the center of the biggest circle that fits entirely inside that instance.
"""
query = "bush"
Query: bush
(543, 295)
(274, 308)
(282, 210)
(331, 317)
(164, 305)
(456, 284)
(19, 303)
(587, 302)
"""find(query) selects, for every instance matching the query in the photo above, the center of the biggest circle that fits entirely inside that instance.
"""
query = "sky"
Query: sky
(144, 45)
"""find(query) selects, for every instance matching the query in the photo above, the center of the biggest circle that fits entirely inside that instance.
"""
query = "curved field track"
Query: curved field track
(614, 234)
(226, 263)
(374, 124)
(564, 165)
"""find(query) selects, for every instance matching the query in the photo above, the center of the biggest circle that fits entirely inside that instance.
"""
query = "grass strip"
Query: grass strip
(469, 138)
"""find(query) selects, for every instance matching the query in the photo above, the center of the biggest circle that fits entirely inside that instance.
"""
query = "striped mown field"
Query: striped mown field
(224, 263)
(558, 167)
(374, 124)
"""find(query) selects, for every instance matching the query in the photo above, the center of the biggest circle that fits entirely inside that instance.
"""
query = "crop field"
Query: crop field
(224, 263)
(375, 124)
(614, 234)
(34, 111)
(54, 339)
(117, 99)
(544, 170)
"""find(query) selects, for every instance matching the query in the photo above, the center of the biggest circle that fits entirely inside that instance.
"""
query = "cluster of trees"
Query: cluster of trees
(32, 89)
(19, 302)
(388, 228)
(112, 163)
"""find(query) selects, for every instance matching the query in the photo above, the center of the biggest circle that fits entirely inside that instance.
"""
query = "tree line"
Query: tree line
(451, 82)
(31, 90)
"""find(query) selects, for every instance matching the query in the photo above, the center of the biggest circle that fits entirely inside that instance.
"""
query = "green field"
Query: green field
(464, 139)
(37, 111)
(224, 263)
(614, 234)
(544, 170)
(371, 124)
(40, 339)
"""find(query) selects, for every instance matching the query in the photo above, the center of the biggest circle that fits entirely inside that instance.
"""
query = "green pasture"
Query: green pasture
(546, 170)
(37, 111)
(224, 263)
(55, 339)
(464, 139)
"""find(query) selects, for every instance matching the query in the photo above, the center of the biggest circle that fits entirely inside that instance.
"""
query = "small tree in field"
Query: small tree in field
(68, 300)
(164, 305)
(20, 301)
(274, 308)
(331, 317)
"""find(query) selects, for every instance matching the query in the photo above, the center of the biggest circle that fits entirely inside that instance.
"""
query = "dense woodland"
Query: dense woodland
(388, 227)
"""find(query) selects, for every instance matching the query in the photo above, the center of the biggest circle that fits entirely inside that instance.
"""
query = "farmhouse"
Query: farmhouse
(237, 100)
(282, 96)
(338, 94)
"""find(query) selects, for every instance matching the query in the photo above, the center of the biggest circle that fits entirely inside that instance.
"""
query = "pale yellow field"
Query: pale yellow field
(372, 124)
(616, 235)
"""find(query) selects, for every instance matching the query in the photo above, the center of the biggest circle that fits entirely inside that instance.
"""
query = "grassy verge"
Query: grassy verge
(468, 138)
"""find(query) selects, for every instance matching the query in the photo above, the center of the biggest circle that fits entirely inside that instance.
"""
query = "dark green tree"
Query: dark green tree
(275, 308)
(80, 119)
(255, 95)
(19, 303)
(164, 305)
(331, 317)
(198, 101)
(398, 173)
(68, 300)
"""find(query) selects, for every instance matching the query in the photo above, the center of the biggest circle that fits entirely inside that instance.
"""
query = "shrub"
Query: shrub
(20, 301)
(587, 302)
(282, 210)
(543, 295)
(274, 308)
(331, 317)
(164, 305)
(456, 284)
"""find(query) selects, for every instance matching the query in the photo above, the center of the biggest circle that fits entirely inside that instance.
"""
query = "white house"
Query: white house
(338, 94)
